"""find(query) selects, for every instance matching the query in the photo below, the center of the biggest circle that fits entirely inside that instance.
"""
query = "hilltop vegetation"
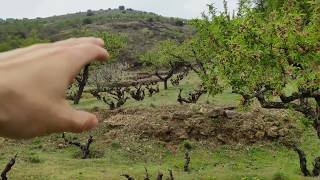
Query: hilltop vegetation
(143, 29)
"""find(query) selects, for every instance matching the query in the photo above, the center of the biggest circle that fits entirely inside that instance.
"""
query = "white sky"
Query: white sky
(44, 8)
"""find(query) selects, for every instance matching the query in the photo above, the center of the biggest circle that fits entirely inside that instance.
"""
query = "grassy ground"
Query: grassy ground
(169, 97)
(41, 158)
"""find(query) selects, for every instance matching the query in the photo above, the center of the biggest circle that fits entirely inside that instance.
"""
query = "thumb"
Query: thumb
(81, 121)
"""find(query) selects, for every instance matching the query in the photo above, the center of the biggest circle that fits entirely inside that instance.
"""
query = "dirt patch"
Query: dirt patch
(217, 125)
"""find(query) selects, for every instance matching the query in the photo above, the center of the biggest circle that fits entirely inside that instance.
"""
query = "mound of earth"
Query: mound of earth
(217, 125)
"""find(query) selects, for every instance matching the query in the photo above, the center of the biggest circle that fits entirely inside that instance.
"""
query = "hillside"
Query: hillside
(143, 29)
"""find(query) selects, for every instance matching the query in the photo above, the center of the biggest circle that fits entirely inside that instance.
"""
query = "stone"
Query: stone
(165, 117)
(260, 135)
(180, 116)
(273, 132)
(283, 132)
(230, 114)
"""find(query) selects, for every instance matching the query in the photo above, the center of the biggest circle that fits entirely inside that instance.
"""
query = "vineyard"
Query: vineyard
(227, 96)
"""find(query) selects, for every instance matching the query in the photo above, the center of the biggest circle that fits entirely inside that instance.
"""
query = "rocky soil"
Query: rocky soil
(174, 124)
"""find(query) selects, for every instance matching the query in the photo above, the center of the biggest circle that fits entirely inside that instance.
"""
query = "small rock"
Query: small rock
(194, 107)
(283, 132)
(180, 116)
(182, 136)
(273, 132)
(203, 110)
(276, 123)
(229, 114)
(260, 135)
(221, 138)
(165, 117)
(214, 114)
(268, 125)
(61, 146)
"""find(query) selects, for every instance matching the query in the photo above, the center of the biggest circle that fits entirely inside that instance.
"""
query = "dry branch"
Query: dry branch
(8, 167)
(85, 148)
(303, 163)
(171, 175)
(127, 176)
(193, 97)
(160, 176)
(187, 160)
(146, 177)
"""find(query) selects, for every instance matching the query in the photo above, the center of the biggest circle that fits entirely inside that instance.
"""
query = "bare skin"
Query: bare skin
(33, 84)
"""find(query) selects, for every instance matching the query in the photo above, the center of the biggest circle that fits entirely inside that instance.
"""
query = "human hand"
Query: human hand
(33, 84)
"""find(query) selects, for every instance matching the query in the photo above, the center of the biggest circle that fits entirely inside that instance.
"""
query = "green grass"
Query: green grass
(263, 161)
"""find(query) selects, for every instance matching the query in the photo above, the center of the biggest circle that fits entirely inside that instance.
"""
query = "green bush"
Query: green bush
(122, 8)
(87, 21)
(187, 145)
(90, 13)
(179, 23)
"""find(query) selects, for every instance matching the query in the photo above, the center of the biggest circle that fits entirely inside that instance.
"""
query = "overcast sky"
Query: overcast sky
(44, 8)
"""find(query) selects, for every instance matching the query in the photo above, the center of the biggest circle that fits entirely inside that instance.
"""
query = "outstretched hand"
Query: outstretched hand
(33, 83)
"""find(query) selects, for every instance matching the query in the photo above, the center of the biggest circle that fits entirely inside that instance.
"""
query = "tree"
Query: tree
(199, 51)
(81, 81)
(193, 97)
(8, 167)
(116, 98)
(244, 5)
(90, 13)
(281, 58)
(87, 21)
(21, 40)
(273, 57)
(150, 19)
(122, 8)
(164, 56)
(85, 148)
(179, 22)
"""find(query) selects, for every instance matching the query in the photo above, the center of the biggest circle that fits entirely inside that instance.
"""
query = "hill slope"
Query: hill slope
(142, 28)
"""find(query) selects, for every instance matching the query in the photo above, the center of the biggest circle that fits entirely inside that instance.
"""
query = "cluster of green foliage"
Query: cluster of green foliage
(14, 42)
(267, 48)
(114, 43)
(165, 54)
(274, 49)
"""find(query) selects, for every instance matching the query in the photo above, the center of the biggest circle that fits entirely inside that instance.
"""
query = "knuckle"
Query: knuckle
(86, 48)
(98, 41)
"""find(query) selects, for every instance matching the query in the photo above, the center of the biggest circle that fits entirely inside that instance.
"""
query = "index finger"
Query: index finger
(81, 55)
(38, 47)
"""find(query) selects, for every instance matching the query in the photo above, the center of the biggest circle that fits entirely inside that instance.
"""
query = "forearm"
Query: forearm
(4, 92)
(9, 103)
